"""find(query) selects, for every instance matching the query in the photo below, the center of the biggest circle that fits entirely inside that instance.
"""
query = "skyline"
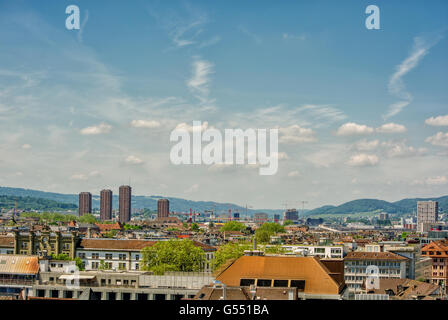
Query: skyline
(361, 113)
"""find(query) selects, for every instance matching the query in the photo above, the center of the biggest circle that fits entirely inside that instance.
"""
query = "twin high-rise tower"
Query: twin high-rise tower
(106, 197)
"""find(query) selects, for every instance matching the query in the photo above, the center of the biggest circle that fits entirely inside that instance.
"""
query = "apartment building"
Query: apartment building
(438, 252)
(122, 255)
(356, 264)
(332, 252)
(427, 214)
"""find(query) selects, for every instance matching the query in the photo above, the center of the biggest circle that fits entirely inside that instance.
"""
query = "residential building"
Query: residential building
(106, 205)
(85, 203)
(260, 218)
(333, 252)
(359, 265)
(124, 204)
(163, 208)
(17, 274)
(438, 252)
(427, 214)
(304, 277)
(124, 255)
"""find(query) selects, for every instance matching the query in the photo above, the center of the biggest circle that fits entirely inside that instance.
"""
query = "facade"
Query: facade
(260, 218)
(17, 273)
(438, 252)
(124, 204)
(163, 208)
(108, 285)
(106, 205)
(309, 277)
(291, 214)
(40, 243)
(427, 214)
(357, 264)
(85, 203)
(122, 255)
(327, 252)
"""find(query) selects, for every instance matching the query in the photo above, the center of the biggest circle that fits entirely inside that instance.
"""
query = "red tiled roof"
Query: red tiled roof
(361, 255)
(7, 242)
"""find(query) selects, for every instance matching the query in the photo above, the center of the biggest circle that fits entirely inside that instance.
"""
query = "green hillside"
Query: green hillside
(30, 203)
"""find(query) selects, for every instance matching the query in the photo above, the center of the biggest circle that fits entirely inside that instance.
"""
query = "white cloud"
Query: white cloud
(78, 177)
(437, 121)
(439, 139)
(189, 128)
(294, 174)
(133, 160)
(99, 129)
(200, 79)
(351, 128)
(438, 180)
(400, 149)
(363, 159)
(293, 37)
(192, 188)
(365, 145)
(391, 128)
(26, 146)
(296, 134)
(145, 124)
(396, 86)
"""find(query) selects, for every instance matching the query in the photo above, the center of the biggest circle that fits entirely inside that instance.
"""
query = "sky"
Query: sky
(361, 113)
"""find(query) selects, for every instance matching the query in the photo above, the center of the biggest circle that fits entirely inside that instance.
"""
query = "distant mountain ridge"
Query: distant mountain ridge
(368, 205)
(182, 205)
(138, 202)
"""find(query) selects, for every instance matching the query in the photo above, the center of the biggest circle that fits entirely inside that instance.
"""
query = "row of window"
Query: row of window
(108, 256)
(373, 263)
(300, 284)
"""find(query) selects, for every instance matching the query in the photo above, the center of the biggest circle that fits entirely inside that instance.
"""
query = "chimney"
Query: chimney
(89, 233)
(254, 243)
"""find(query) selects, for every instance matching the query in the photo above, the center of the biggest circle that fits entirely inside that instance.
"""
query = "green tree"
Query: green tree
(194, 227)
(274, 249)
(233, 226)
(88, 218)
(267, 230)
(287, 223)
(172, 255)
(228, 252)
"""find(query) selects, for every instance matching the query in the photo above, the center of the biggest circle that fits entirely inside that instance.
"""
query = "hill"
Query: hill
(370, 205)
(138, 202)
(30, 203)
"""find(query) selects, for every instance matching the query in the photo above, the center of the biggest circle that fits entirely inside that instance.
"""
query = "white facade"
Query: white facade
(355, 271)
(334, 252)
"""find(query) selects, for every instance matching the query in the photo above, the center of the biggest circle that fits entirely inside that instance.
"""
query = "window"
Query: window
(280, 283)
(137, 266)
(137, 257)
(299, 284)
(95, 255)
(122, 256)
(246, 282)
(109, 256)
(82, 255)
(122, 266)
(264, 282)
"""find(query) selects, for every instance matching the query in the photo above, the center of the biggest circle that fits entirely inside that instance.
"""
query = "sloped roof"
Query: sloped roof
(7, 242)
(19, 264)
(125, 244)
(362, 255)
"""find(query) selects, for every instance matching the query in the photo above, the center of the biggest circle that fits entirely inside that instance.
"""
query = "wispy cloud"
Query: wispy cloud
(255, 38)
(200, 80)
(99, 129)
(83, 25)
(396, 85)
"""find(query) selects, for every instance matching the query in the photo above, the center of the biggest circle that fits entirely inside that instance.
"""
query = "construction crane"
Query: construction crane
(191, 215)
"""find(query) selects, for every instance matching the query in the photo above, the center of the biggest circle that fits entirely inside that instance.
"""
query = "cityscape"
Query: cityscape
(230, 158)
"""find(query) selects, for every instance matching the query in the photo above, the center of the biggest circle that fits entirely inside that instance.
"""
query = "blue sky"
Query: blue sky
(69, 99)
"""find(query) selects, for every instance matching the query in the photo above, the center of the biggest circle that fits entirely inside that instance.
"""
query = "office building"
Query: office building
(291, 214)
(438, 252)
(163, 208)
(106, 205)
(427, 214)
(124, 204)
(85, 203)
